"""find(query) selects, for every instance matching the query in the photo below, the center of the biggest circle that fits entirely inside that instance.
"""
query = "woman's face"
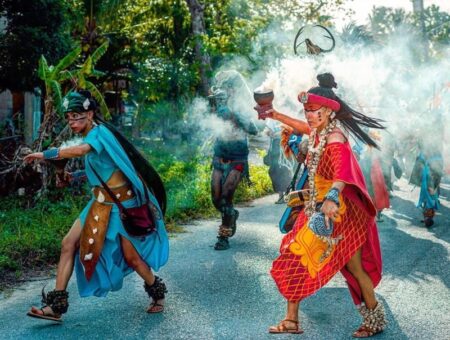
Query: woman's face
(317, 118)
(79, 122)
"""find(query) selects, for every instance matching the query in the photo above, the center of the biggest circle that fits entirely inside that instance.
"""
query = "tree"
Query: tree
(33, 28)
(198, 31)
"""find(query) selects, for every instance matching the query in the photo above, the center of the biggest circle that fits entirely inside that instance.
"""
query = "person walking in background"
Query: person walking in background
(230, 159)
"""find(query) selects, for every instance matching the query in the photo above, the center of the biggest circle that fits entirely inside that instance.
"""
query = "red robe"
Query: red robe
(380, 193)
(299, 271)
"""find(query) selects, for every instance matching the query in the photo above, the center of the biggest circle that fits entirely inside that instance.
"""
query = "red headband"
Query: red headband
(311, 98)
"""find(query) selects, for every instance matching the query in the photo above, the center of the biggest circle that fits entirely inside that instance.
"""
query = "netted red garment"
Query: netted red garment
(298, 271)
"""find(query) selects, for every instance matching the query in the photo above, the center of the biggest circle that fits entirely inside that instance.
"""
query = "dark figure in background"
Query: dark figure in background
(280, 169)
(230, 162)
(429, 167)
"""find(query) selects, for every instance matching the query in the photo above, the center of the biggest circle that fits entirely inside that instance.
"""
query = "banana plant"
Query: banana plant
(54, 77)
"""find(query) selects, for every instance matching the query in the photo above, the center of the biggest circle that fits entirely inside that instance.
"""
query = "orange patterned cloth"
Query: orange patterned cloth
(298, 271)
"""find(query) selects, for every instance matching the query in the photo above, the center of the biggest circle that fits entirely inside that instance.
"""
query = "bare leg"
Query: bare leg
(69, 246)
(354, 266)
(216, 188)
(290, 324)
(225, 205)
(135, 261)
(292, 310)
(230, 185)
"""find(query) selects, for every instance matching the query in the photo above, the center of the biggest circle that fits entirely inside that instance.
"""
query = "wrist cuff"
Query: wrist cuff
(333, 195)
(51, 153)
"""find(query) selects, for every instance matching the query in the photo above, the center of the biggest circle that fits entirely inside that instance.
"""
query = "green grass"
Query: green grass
(31, 237)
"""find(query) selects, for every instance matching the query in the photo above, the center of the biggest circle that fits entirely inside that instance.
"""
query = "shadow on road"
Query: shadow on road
(406, 253)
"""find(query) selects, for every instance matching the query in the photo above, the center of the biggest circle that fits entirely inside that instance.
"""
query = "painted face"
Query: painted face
(318, 118)
(78, 121)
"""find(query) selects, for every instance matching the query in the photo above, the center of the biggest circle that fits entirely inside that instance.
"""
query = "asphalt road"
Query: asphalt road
(230, 295)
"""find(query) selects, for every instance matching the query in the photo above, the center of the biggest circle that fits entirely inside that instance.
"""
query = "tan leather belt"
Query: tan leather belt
(122, 193)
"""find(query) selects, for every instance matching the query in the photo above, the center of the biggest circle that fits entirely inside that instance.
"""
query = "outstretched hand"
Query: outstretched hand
(33, 156)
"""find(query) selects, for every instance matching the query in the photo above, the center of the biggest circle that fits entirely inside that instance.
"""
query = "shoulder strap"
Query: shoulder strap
(108, 190)
(291, 186)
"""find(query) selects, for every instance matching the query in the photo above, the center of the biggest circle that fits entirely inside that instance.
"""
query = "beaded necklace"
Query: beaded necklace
(314, 155)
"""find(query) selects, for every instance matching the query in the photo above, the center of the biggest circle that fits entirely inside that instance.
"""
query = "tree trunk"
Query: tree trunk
(418, 10)
(198, 29)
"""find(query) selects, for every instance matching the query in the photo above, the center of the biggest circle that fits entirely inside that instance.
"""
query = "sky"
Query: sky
(362, 8)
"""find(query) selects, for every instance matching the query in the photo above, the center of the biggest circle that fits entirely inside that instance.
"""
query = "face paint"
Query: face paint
(316, 119)
(75, 116)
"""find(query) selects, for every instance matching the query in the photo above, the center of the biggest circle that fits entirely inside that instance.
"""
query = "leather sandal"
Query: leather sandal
(282, 328)
(157, 292)
(155, 307)
(46, 315)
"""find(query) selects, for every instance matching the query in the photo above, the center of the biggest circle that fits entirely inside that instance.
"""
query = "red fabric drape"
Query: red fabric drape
(297, 271)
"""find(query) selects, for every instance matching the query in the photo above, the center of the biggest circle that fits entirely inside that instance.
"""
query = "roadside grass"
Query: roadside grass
(30, 237)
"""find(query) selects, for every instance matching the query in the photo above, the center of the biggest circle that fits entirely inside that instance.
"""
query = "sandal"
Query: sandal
(365, 332)
(222, 243)
(155, 307)
(374, 321)
(157, 292)
(45, 315)
(282, 328)
(57, 303)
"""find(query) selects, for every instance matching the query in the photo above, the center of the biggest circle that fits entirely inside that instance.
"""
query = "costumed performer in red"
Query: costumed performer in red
(336, 231)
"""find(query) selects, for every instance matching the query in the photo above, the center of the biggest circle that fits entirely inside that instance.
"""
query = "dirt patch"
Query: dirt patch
(10, 280)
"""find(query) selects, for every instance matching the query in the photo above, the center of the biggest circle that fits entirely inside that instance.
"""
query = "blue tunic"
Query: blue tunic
(107, 156)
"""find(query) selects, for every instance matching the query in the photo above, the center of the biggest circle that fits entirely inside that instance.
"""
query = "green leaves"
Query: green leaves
(56, 95)
(43, 69)
(55, 77)
(99, 52)
(67, 61)
(98, 96)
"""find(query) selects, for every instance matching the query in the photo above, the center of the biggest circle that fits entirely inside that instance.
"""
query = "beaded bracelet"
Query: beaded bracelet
(51, 153)
(333, 195)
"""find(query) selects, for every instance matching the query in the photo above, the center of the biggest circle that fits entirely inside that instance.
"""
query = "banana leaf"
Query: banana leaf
(99, 52)
(65, 62)
(56, 95)
(43, 69)
(101, 101)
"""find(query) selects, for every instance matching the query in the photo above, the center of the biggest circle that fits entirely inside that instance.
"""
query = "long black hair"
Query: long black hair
(148, 174)
(349, 117)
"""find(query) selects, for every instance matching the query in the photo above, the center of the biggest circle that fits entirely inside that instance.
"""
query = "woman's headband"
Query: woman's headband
(311, 98)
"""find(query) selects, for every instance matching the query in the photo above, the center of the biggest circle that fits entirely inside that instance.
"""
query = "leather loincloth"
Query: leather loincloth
(96, 225)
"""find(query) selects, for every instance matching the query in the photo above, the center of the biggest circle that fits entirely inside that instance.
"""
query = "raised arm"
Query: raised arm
(299, 126)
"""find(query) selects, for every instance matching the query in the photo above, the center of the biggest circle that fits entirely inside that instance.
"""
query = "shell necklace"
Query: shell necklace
(314, 155)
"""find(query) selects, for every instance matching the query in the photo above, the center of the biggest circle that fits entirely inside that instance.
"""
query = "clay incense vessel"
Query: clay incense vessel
(263, 96)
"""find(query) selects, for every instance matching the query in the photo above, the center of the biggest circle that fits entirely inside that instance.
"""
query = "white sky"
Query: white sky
(363, 8)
